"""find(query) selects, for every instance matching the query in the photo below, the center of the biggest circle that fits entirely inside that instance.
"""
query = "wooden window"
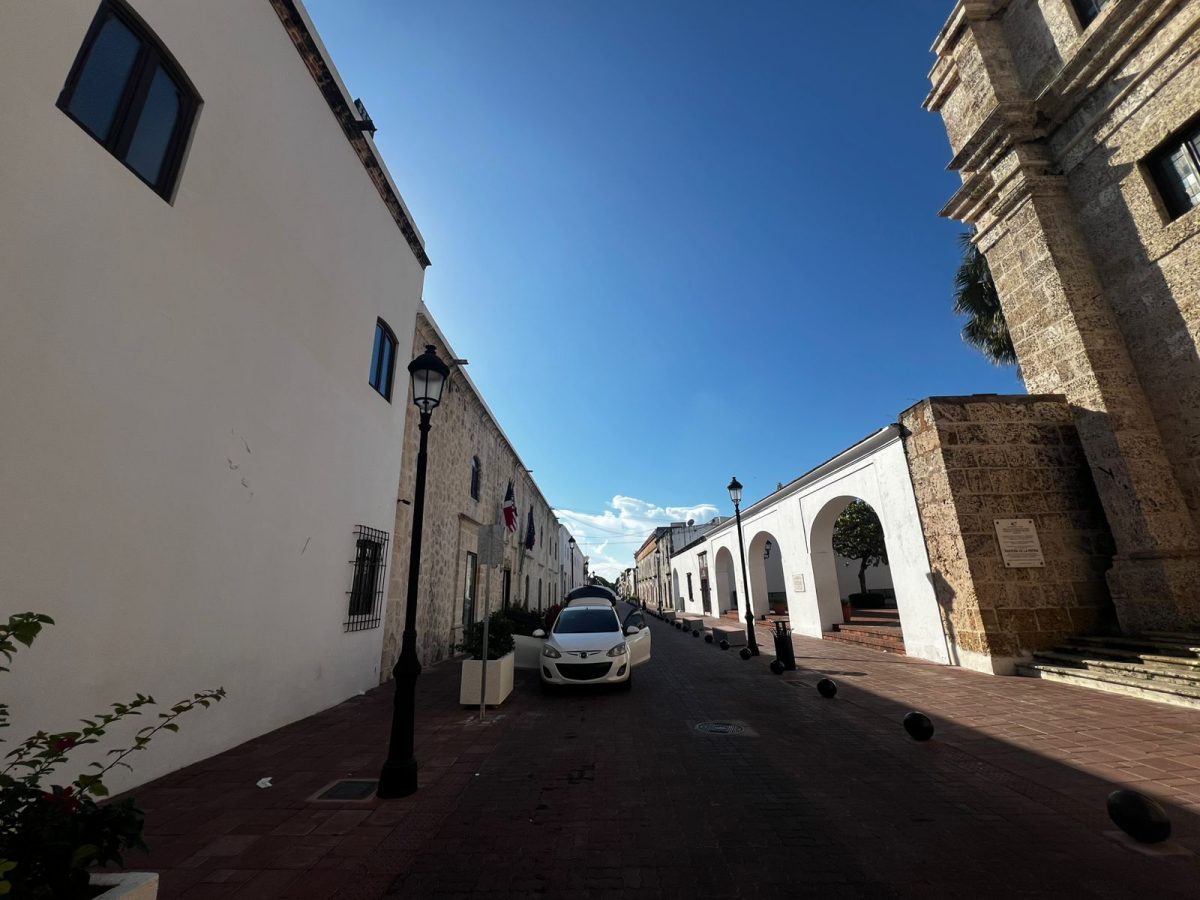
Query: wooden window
(1175, 168)
(126, 91)
(383, 359)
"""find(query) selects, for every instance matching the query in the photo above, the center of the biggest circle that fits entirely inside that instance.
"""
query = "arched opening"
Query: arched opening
(539, 595)
(764, 562)
(727, 592)
(851, 575)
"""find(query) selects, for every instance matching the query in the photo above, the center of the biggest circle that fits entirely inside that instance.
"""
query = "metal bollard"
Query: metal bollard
(784, 651)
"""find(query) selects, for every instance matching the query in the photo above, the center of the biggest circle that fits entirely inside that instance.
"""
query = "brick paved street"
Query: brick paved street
(611, 794)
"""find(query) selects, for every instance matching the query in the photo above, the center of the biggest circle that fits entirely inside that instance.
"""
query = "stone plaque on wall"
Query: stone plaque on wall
(491, 545)
(798, 583)
(1019, 544)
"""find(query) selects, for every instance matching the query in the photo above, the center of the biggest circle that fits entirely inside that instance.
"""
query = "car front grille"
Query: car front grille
(584, 671)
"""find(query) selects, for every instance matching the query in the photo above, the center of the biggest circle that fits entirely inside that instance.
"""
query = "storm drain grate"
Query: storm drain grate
(719, 728)
(350, 789)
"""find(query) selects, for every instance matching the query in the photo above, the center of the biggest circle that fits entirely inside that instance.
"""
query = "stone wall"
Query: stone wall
(977, 459)
(1050, 126)
(462, 427)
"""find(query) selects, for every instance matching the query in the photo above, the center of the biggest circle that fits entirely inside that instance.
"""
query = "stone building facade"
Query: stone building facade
(470, 465)
(976, 460)
(1074, 126)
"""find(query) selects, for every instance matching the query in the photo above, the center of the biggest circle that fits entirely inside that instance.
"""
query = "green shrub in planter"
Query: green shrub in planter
(52, 833)
(500, 638)
(525, 621)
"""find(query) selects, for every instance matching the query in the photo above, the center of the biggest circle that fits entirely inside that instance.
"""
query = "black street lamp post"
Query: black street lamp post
(572, 543)
(735, 494)
(399, 775)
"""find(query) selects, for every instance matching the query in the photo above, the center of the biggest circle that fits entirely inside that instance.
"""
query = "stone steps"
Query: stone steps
(1159, 692)
(877, 637)
(1161, 666)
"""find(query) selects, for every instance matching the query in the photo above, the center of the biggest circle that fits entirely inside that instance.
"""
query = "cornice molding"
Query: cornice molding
(347, 117)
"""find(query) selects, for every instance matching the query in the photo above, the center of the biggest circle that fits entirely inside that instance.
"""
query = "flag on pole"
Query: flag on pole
(510, 509)
(530, 532)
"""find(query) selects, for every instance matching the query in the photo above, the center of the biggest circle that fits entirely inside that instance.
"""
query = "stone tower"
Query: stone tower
(1075, 126)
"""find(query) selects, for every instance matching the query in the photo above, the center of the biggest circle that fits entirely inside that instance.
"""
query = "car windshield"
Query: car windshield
(586, 621)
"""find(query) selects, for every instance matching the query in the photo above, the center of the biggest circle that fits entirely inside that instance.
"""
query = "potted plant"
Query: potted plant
(500, 661)
(847, 609)
(51, 834)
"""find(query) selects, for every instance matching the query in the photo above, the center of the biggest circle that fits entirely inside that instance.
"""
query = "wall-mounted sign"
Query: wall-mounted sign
(1019, 544)
(491, 545)
(798, 583)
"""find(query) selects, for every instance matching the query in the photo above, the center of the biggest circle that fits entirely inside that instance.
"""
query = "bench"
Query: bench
(734, 635)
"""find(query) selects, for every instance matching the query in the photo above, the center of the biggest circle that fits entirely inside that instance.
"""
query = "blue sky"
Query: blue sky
(676, 239)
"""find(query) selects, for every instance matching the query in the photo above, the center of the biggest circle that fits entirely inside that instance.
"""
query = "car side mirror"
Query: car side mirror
(632, 629)
(538, 633)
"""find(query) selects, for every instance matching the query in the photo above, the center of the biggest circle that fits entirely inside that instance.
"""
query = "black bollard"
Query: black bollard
(1139, 816)
(695, 633)
(777, 667)
(827, 688)
(918, 726)
(724, 645)
(744, 653)
(708, 639)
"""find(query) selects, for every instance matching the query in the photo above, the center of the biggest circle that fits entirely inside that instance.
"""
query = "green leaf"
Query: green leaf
(170, 726)
(83, 853)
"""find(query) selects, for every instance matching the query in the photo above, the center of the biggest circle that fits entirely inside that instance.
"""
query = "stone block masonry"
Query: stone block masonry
(977, 459)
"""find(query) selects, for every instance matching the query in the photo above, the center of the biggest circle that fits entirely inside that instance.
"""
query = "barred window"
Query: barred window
(366, 586)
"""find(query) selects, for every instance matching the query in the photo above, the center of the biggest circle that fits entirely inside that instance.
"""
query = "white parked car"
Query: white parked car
(589, 645)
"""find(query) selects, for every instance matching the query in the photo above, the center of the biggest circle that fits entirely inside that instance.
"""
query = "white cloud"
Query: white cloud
(610, 538)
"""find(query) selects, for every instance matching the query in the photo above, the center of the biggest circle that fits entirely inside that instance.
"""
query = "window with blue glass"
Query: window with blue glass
(1087, 10)
(383, 359)
(128, 93)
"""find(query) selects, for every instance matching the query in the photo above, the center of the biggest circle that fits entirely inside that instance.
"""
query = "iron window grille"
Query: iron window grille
(383, 359)
(366, 589)
(1175, 167)
(126, 90)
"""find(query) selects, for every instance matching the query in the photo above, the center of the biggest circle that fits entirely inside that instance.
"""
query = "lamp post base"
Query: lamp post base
(397, 779)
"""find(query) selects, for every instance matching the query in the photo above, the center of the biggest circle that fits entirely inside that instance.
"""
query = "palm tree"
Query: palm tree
(975, 297)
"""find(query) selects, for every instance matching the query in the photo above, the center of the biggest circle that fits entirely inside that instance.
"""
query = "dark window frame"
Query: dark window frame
(365, 608)
(1176, 202)
(470, 589)
(377, 363)
(476, 476)
(152, 55)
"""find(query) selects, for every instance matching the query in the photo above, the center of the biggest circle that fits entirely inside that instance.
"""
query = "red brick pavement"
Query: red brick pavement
(589, 794)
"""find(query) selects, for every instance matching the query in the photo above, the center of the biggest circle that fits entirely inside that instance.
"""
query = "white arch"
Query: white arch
(765, 571)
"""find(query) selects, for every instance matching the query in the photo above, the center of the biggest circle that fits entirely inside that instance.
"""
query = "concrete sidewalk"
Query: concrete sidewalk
(601, 793)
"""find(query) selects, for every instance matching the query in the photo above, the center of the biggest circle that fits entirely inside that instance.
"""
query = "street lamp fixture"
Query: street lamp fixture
(399, 775)
(767, 551)
(572, 543)
(735, 494)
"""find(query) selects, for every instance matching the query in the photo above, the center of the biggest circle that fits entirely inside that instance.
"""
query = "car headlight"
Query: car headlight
(550, 652)
(618, 650)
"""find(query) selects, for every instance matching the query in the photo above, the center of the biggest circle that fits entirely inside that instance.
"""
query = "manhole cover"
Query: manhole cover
(350, 790)
(719, 728)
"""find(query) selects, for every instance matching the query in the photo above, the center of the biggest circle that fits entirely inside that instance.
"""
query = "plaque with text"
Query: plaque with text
(491, 545)
(1019, 544)
(798, 583)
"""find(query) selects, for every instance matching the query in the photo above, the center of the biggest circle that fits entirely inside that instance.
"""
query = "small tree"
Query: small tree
(976, 298)
(858, 534)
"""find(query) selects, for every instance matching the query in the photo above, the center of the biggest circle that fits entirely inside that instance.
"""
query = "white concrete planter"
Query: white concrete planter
(499, 680)
(126, 885)
(528, 651)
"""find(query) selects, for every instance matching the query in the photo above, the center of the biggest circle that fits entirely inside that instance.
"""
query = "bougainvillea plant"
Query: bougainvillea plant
(52, 833)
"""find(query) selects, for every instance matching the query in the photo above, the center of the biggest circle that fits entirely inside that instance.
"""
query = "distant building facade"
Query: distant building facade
(654, 581)
(470, 466)
(203, 414)
(1075, 126)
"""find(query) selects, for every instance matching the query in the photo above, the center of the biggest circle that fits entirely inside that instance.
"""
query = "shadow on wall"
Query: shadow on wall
(945, 600)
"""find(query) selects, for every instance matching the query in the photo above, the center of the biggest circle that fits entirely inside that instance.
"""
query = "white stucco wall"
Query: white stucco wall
(798, 520)
(189, 438)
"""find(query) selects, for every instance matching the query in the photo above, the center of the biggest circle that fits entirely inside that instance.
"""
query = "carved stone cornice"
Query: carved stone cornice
(347, 116)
